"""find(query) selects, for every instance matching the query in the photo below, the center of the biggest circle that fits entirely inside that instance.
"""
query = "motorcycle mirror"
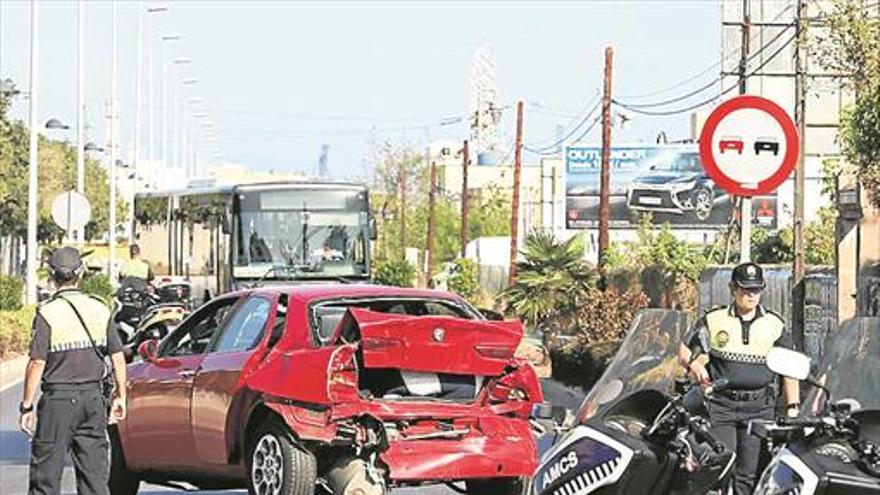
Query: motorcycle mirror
(609, 392)
(788, 363)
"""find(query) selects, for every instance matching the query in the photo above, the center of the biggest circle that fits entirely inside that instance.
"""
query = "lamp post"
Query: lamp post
(151, 150)
(55, 124)
(184, 127)
(111, 240)
(165, 39)
(175, 150)
(33, 164)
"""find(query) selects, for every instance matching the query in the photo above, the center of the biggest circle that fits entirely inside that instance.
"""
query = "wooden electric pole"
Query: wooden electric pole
(514, 217)
(798, 290)
(403, 179)
(429, 247)
(465, 198)
(604, 184)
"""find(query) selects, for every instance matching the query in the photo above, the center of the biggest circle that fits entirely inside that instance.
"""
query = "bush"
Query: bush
(465, 279)
(15, 330)
(601, 324)
(395, 272)
(98, 284)
(10, 293)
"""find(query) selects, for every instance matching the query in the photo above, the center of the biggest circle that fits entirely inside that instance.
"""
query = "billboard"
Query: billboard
(667, 181)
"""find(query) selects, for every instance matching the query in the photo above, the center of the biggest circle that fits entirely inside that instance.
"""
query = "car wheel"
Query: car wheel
(277, 466)
(349, 476)
(703, 204)
(496, 486)
(122, 481)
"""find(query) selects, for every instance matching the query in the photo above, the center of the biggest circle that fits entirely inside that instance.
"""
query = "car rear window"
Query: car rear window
(326, 315)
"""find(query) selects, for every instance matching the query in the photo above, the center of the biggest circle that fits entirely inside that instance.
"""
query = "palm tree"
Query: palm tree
(552, 279)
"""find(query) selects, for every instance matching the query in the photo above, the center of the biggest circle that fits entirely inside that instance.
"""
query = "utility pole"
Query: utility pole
(465, 198)
(432, 191)
(604, 184)
(79, 236)
(514, 217)
(403, 207)
(745, 215)
(33, 163)
(798, 290)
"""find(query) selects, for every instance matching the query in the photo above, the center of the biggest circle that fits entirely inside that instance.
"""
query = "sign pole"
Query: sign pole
(745, 220)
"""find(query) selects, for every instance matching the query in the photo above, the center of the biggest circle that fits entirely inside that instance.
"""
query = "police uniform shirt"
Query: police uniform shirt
(738, 348)
(59, 338)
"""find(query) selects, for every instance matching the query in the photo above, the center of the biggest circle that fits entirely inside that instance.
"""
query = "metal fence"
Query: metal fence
(820, 304)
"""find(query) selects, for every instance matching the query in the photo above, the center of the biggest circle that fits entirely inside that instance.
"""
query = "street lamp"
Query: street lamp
(54, 123)
(165, 39)
(150, 96)
(7, 87)
(92, 147)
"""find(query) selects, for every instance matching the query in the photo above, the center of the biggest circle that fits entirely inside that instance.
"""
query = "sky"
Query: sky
(279, 79)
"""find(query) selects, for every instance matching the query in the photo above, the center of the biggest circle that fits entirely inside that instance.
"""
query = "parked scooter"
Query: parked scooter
(834, 446)
(150, 311)
(650, 441)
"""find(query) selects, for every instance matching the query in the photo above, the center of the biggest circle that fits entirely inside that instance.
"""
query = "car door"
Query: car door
(216, 385)
(158, 427)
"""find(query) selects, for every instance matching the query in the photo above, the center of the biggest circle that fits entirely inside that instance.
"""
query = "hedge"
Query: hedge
(15, 331)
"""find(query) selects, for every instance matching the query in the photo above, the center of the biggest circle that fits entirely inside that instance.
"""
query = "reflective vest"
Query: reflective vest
(728, 341)
(67, 331)
(135, 268)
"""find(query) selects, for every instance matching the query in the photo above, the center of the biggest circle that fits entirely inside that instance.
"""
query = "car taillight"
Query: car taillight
(342, 376)
(495, 351)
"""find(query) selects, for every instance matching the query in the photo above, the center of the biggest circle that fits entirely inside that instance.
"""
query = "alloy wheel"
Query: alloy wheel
(267, 466)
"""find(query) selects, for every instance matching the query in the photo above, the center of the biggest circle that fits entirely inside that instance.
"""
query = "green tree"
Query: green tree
(851, 48)
(552, 281)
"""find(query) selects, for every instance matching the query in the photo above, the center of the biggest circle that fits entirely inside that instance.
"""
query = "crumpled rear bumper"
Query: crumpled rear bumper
(499, 447)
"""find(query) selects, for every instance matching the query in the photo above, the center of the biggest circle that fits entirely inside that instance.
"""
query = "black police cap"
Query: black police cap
(748, 276)
(66, 260)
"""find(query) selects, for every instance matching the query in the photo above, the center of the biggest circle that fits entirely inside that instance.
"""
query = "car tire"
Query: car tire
(702, 202)
(496, 486)
(349, 476)
(277, 466)
(122, 481)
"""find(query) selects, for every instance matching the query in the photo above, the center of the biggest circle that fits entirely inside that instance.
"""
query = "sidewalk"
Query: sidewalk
(12, 371)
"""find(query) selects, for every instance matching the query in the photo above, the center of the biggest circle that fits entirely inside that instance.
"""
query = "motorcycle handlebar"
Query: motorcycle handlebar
(801, 422)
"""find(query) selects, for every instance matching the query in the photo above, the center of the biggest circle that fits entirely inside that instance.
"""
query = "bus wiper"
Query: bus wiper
(274, 269)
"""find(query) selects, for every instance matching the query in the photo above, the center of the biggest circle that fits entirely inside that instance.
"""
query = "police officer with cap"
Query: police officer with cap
(136, 267)
(71, 337)
(736, 338)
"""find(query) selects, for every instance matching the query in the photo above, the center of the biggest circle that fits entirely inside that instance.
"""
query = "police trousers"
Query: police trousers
(730, 422)
(70, 419)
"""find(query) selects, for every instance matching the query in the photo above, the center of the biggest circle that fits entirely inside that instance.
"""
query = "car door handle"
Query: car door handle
(187, 373)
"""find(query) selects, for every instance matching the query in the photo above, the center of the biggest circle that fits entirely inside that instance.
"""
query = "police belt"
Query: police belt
(744, 395)
(70, 387)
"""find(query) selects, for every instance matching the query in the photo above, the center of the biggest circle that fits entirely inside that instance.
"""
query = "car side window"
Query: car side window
(196, 333)
(245, 328)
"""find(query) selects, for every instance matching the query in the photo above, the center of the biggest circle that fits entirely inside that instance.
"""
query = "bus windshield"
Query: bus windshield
(299, 233)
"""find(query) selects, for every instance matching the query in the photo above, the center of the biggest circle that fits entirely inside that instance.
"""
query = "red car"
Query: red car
(342, 387)
(731, 143)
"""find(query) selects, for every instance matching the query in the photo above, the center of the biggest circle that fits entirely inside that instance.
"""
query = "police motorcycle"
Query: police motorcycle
(634, 434)
(146, 311)
(833, 447)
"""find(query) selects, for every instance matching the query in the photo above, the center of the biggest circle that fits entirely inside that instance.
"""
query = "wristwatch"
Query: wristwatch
(22, 409)
(793, 405)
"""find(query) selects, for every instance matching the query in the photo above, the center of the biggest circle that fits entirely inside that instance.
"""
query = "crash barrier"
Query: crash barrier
(820, 305)
(647, 358)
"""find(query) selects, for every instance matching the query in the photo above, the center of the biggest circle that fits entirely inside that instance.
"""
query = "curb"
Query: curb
(12, 371)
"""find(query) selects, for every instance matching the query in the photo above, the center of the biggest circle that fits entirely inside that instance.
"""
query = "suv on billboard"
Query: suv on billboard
(674, 182)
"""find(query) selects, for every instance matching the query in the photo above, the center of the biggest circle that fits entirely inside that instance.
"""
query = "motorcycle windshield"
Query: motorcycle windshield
(647, 359)
(850, 369)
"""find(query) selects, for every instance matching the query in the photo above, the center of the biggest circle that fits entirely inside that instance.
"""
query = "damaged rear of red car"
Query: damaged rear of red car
(396, 399)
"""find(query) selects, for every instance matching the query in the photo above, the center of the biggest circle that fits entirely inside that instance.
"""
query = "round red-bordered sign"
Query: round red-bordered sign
(786, 131)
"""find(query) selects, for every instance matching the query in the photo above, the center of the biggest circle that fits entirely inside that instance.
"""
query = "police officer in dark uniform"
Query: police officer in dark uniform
(72, 335)
(736, 338)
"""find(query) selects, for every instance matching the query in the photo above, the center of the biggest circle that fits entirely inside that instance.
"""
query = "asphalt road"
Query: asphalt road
(15, 450)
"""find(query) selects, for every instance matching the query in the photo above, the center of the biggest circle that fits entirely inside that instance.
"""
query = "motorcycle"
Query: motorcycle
(145, 312)
(633, 434)
(833, 447)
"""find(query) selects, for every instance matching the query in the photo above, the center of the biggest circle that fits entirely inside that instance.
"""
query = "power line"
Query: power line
(582, 135)
(571, 132)
(714, 98)
(714, 81)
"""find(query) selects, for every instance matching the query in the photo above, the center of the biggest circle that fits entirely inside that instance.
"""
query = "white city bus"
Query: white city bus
(229, 237)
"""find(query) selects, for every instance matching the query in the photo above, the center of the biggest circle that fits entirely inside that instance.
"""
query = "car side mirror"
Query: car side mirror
(546, 412)
(788, 363)
(149, 350)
